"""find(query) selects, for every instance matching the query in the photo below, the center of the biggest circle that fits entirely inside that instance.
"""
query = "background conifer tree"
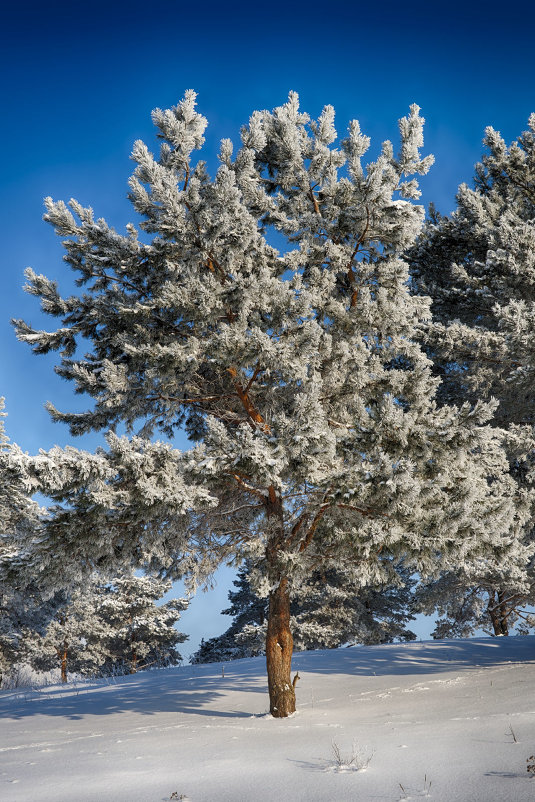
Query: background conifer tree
(26, 604)
(76, 638)
(331, 610)
(478, 266)
(110, 627)
(139, 633)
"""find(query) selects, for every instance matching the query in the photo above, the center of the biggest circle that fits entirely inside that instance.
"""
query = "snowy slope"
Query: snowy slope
(439, 718)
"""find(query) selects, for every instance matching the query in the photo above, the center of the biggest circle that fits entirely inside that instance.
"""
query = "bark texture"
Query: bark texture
(63, 658)
(279, 648)
(279, 640)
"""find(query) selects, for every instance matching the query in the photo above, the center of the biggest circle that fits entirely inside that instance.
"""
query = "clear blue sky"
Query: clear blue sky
(79, 82)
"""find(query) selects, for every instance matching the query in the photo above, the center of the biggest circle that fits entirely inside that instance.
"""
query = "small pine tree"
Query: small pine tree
(76, 638)
(140, 633)
(246, 607)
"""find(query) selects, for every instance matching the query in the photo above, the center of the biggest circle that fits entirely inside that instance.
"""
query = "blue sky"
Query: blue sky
(79, 82)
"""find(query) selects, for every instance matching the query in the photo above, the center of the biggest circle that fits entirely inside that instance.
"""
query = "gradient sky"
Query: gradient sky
(79, 81)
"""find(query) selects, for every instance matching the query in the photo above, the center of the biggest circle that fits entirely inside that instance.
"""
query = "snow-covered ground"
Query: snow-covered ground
(446, 721)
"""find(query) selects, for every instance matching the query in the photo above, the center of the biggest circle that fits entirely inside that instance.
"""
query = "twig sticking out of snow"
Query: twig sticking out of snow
(357, 760)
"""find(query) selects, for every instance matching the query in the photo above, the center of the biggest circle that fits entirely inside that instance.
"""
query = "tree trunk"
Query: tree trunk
(63, 657)
(504, 612)
(133, 660)
(279, 648)
(498, 613)
(279, 641)
(133, 651)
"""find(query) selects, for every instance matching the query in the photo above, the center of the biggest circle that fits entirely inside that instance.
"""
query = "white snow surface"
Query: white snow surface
(442, 720)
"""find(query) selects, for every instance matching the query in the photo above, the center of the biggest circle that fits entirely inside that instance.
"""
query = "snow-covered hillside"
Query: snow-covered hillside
(448, 721)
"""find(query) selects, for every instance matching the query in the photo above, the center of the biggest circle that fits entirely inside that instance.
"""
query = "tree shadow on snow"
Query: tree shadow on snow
(509, 775)
(183, 691)
(198, 689)
(426, 657)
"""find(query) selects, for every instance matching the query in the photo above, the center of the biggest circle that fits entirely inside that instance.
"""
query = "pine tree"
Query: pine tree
(140, 632)
(25, 607)
(296, 373)
(245, 606)
(478, 266)
(76, 638)
(110, 627)
(250, 615)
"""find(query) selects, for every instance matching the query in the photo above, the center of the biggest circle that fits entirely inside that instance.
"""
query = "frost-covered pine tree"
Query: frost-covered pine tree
(110, 627)
(24, 608)
(296, 373)
(76, 639)
(140, 633)
(478, 266)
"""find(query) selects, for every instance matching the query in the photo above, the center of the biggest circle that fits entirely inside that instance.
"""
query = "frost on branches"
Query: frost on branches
(478, 265)
(24, 607)
(140, 633)
(295, 372)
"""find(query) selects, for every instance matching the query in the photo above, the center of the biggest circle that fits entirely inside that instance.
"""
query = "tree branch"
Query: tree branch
(367, 512)
(246, 487)
(350, 270)
(314, 201)
(255, 416)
